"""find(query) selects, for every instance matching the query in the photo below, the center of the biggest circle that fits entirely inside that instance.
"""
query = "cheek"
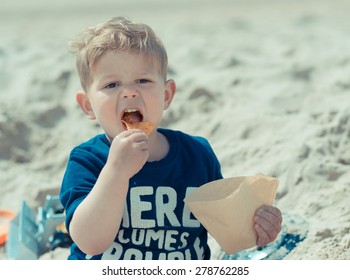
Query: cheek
(104, 108)
(156, 112)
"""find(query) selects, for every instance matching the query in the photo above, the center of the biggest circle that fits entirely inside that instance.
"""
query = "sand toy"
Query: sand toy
(33, 233)
(5, 217)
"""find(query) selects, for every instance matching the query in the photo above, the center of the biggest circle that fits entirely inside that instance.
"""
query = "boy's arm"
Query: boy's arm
(96, 221)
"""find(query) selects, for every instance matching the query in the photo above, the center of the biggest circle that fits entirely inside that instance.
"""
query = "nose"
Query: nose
(129, 93)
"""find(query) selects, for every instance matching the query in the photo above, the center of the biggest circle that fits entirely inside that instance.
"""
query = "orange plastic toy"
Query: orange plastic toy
(5, 217)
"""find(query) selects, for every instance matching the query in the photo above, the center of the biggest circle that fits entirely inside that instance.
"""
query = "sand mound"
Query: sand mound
(267, 84)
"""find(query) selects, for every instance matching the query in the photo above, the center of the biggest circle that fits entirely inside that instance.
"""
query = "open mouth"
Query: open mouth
(133, 119)
(132, 116)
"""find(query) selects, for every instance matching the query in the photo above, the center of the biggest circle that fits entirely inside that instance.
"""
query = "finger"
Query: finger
(270, 223)
(269, 229)
(134, 135)
(269, 218)
(270, 209)
(127, 133)
(263, 238)
(141, 145)
(136, 130)
(271, 214)
(139, 136)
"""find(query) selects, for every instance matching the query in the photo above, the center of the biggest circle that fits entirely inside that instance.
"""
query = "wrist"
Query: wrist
(115, 175)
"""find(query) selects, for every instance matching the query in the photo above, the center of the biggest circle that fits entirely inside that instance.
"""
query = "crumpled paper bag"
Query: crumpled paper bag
(226, 208)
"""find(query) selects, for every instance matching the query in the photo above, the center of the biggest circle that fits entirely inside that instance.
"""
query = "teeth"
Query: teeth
(130, 110)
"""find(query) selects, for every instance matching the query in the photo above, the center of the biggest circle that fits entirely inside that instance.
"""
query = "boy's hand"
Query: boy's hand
(268, 221)
(129, 151)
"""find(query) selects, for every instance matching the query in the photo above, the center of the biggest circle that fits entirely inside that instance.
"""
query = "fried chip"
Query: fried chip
(146, 127)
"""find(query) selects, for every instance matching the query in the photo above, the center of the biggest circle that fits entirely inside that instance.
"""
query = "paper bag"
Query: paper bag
(226, 208)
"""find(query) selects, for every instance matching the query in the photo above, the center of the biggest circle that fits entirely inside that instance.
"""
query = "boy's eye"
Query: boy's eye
(112, 85)
(143, 81)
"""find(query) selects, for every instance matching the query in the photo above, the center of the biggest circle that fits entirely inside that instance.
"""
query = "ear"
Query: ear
(85, 104)
(170, 89)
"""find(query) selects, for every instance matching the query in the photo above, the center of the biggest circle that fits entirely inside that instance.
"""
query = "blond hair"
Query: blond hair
(118, 34)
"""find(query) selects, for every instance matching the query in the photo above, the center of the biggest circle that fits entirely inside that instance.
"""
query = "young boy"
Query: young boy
(123, 190)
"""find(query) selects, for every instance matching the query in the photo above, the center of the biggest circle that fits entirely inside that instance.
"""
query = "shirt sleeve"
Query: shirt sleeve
(83, 169)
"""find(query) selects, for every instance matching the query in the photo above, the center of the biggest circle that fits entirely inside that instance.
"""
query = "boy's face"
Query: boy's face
(125, 85)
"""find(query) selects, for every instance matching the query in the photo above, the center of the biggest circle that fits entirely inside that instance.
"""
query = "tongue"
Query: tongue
(134, 117)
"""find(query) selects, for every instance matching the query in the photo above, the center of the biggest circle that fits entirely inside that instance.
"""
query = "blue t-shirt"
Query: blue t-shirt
(156, 223)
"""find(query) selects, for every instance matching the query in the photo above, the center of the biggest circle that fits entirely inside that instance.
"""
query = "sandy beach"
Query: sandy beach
(266, 82)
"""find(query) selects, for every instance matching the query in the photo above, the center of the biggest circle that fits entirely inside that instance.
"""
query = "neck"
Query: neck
(158, 147)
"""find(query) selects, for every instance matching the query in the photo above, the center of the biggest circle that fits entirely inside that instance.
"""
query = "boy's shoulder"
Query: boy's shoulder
(185, 139)
(194, 152)
(96, 141)
(96, 146)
